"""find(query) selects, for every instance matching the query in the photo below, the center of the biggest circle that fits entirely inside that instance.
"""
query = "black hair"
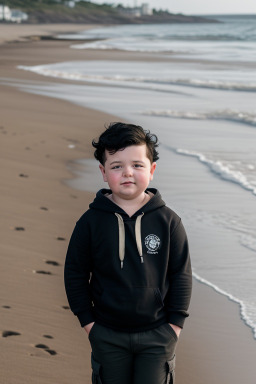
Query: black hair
(118, 136)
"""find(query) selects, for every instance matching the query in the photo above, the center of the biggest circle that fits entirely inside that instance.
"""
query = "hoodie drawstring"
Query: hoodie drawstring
(138, 236)
(122, 237)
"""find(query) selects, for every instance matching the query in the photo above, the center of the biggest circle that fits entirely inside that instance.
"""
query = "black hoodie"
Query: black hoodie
(129, 273)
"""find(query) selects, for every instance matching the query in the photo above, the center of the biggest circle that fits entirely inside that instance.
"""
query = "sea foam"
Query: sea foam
(77, 71)
(221, 170)
(243, 310)
(226, 114)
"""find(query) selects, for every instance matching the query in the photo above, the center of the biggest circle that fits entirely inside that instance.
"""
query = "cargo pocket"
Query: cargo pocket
(170, 366)
(96, 367)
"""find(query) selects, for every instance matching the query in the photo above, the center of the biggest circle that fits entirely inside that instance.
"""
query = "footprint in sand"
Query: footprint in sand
(46, 349)
(10, 333)
(43, 272)
(51, 351)
(44, 208)
(48, 336)
(41, 346)
(52, 262)
(19, 229)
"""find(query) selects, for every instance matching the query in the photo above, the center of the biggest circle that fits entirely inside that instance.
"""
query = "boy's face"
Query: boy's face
(128, 172)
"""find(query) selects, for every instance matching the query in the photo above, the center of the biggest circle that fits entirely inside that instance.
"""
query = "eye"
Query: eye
(138, 166)
(116, 167)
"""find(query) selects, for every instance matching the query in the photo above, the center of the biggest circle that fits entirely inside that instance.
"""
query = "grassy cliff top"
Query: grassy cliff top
(58, 11)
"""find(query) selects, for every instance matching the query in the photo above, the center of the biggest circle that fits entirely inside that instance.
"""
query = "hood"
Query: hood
(102, 203)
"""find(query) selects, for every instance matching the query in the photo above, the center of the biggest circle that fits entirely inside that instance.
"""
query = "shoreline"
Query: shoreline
(13, 33)
(36, 145)
(231, 298)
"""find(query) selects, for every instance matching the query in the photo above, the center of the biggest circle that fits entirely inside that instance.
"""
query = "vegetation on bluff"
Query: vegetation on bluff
(60, 11)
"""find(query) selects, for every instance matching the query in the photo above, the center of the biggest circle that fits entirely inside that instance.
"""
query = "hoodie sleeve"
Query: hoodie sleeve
(77, 274)
(180, 275)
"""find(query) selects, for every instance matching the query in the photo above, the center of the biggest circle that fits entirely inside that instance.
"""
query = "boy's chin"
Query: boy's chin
(128, 195)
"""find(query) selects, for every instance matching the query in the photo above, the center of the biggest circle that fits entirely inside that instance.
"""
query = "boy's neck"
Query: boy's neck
(131, 206)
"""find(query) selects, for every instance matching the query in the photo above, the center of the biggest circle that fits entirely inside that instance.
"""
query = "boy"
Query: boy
(127, 271)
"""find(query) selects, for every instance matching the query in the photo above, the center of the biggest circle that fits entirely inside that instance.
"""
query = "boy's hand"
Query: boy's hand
(88, 327)
(176, 329)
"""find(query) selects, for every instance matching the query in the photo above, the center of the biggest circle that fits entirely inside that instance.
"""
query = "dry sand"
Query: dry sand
(38, 213)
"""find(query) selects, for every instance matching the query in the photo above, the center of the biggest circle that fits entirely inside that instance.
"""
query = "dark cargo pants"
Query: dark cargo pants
(133, 358)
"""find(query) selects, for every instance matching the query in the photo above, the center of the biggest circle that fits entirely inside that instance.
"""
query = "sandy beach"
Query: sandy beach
(41, 341)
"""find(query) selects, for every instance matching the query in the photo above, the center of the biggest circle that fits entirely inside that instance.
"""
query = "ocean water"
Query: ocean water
(199, 97)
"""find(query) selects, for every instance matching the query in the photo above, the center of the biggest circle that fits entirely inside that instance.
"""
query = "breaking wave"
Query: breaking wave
(77, 71)
(243, 309)
(227, 114)
(223, 171)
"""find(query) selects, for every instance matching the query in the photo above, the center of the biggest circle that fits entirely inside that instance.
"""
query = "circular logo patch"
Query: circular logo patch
(152, 243)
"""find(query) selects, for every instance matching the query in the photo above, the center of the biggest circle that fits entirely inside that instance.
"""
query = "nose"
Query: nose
(127, 171)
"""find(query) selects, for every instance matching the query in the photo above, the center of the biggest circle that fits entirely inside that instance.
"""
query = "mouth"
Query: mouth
(127, 183)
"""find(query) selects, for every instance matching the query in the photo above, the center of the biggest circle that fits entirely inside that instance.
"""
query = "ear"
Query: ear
(102, 169)
(152, 170)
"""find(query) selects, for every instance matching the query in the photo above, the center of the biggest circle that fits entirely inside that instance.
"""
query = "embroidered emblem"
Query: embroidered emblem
(152, 243)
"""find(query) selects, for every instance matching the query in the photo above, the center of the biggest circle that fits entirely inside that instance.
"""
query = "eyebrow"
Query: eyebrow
(133, 161)
(115, 162)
